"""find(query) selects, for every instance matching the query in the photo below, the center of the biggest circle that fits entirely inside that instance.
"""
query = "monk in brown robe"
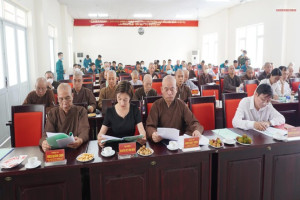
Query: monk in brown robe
(67, 118)
(82, 94)
(205, 77)
(41, 95)
(170, 112)
(108, 92)
(183, 91)
(146, 90)
(249, 75)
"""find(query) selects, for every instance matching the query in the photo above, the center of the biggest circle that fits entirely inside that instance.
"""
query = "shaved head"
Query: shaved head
(41, 86)
(64, 87)
(147, 77)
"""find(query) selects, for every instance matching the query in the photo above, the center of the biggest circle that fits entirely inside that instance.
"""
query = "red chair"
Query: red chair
(202, 105)
(230, 104)
(149, 102)
(295, 84)
(55, 96)
(27, 125)
(250, 86)
(139, 105)
(210, 90)
(156, 84)
(221, 83)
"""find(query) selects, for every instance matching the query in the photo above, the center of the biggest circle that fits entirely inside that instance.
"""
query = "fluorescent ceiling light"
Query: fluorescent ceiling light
(142, 15)
(102, 15)
(184, 16)
(93, 15)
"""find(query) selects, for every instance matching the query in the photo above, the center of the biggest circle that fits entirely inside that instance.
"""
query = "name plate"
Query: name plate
(55, 155)
(191, 142)
(127, 148)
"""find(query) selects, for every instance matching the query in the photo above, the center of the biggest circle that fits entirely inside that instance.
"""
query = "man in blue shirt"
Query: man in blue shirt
(244, 67)
(87, 61)
(59, 67)
(224, 65)
(114, 66)
(163, 66)
(201, 65)
(177, 66)
(98, 62)
(93, 69)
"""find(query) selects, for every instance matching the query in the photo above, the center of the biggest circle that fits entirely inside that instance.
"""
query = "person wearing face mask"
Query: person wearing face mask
(108, 92)
(60, 67)
(106, 67)
(41, 95)
(51, 83)
(183, 91)
(272, 81)
(205, 77)
(256, 112)
(146, 90)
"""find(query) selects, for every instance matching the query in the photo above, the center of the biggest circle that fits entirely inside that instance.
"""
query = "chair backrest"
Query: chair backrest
(250, 86)
(125, 78)
(210, 90)
(221, 83)
(200, 106)
(230, 104)
(136, 87)
(107, 103)
(88, 85)
(156, 84)
(55, 96)
(295, 84)
(149, 102)
(27, 125)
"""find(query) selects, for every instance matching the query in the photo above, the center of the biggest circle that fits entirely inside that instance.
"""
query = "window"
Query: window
(2, 81)
(251, 38)
(210, 48)
(11, 55)
(22, 53)
(70, 48)
(14, 14)
(51, 34)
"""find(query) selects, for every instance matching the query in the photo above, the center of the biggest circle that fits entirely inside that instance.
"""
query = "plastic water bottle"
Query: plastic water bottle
(287, 99)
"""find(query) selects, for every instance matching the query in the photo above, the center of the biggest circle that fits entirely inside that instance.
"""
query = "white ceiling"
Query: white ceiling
(160, 9)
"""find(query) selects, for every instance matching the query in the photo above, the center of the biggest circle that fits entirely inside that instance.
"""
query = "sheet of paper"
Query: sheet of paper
(203, 140)
(270, 131)
(110, 138)
(62, 143)
(49, 134)
(225, 133)
(168, 133)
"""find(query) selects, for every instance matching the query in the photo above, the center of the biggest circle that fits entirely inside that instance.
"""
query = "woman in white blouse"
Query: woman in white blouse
(273, 81)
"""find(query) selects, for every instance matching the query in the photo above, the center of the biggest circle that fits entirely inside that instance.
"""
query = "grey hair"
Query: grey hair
(64, 86)
(77, 73)
(169, 78)
(134, 72)
(148, 76)
(111, 72)
(40, 79)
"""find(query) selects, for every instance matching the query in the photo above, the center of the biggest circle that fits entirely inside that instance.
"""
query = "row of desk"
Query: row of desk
(264, 170)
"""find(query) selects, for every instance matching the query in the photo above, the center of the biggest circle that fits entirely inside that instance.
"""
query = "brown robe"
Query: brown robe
(140, 92)
(230, 84)
(84, 95)
(192, 74)
(75, 121)
(184, 91)
(205, 78)
(106, 93)
(47, 99)
(245, 78)
(178, 116)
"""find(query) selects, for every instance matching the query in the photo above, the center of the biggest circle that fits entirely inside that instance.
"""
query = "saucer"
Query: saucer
(229, 141)
(105, 155)
(172, 148)
(36, 164)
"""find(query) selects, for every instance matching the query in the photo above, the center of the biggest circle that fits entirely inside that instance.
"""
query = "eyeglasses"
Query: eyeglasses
(172, 89)
(60, 99)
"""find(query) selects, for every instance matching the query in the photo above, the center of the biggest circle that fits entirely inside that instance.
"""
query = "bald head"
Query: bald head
(169, 89)
(169, 79)
(179, 77)
(147, 78)
(111, 78)
(77, 74)
(186, 75)
(64, 87)
(41, 86)
(147, 83)
(64, 94)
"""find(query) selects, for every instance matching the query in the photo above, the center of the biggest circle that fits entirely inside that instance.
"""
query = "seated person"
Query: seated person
(108, 92)
(114, 66)
(273, 81)
(283, 88)
(177, 66)
(157, 68)
(236, 65)
(224, 66)
(211, 71)
(163, 66)
(93, 69)
(200, 66)
(231, 81)
(291, 70)
(135, 78)
(66, 118)
(103, 70)
(146, 90)
(77, 67)
(151, 71)
(98, 62)
(41, 95)
(191, 71)
(138, 67)
(51, 83)
(267, 71)
(256, 112)
(170, 112)
(244, 66)
(183, 91)
(188, 82)
(249, 75)
(120, 69)
(123, 117)
(82, 94)
(205, 77)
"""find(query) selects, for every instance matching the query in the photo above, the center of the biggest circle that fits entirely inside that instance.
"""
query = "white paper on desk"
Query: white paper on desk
(108, 137)
(49, 134)
(62, 143)
(203, 140)
(270, 131)
(168, 133)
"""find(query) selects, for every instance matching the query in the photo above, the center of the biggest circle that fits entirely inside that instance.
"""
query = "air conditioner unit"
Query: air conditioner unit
(78, 58)
(195, 57)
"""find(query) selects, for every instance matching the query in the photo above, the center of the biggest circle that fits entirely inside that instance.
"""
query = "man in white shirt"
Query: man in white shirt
(273, 81)
(256, 112)
(283, 88)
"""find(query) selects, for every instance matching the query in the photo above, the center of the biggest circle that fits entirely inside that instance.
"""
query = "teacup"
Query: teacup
(32, 160)
(107, 150)
(173, 144)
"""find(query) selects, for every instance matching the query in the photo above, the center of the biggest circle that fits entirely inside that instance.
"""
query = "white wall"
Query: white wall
(280, 29)
(41, 13)
(124, 44)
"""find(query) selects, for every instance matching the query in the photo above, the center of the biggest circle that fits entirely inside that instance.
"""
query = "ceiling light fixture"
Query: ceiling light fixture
(142, 15)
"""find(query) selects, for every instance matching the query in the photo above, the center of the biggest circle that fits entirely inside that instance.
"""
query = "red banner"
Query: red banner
(133, 22)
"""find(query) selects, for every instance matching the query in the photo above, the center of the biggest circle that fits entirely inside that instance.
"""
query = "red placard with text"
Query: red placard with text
(191, 142)
(55, 155)
(127, 148)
